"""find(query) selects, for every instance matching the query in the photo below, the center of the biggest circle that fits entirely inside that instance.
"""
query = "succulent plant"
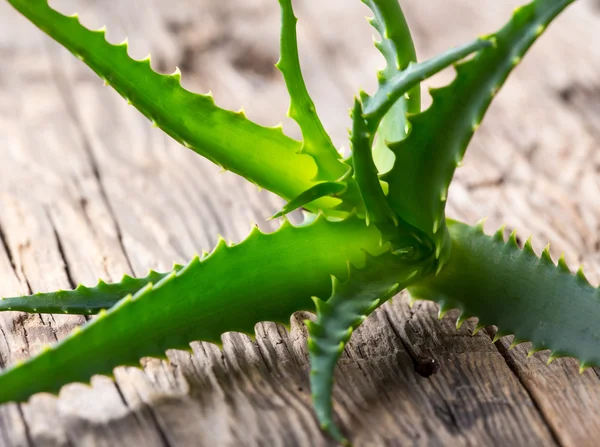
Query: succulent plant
(374, 224)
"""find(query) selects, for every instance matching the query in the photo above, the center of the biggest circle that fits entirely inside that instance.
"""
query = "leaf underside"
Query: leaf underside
(427, 158)
(521, 293)
(267, 277)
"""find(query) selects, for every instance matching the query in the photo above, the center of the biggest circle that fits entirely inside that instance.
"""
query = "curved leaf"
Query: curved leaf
(405, 238)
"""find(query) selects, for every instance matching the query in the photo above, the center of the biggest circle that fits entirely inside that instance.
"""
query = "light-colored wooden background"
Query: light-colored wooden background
(89, 190)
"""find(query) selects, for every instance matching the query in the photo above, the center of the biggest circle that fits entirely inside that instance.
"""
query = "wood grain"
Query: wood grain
(89, 190)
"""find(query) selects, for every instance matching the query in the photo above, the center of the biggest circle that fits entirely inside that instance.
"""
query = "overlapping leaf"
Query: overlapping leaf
(267, 277)
(366, 119)
(398, 49)
(426, 159)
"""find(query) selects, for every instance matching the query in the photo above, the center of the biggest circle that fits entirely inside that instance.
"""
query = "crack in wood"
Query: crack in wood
(510, 363)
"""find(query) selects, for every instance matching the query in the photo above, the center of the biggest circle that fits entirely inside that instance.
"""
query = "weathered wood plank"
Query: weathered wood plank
(100, 193)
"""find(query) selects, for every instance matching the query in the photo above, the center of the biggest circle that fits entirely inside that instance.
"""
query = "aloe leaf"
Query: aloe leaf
(366, 122)
(316, 192)
(392, 88)
(350, 303)
(83, 300)
(317, 142)
(398, 49)
(267, 277)
(378, 209)
(404, 237)
(263, 155)
(427, 158)
(521, 293)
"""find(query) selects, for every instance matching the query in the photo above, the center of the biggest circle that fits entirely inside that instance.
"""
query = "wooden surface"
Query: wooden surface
(89, 190)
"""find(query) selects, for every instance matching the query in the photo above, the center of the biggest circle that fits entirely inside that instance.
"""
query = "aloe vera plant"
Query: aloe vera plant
(375, 222)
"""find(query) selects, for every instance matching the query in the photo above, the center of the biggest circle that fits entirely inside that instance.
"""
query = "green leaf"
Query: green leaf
(263, 155)
(267, 277)
(426, 159)
(350, 303)
(316, 192)
(365, 122)
(83, 300)
(398, 49)
(317, 142)
(404, 237)
(378, 210)
(369, 119)
(519, 292)
(392, 88)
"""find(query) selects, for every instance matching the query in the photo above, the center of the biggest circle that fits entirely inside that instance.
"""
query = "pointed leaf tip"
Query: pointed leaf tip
(562, 264)
(321, 306)
(461, 319)
(516, 341)
(478, 328)
(546, 256)
(581, 275)
(499, 234)
(513, 239)
(528, 247)
(479, 226)
(583, 366)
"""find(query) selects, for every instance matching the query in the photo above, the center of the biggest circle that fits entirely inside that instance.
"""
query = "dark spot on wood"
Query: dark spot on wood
(566, 93)
(426, 367)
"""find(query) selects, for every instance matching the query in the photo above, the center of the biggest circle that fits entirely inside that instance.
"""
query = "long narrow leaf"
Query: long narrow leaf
(83, 300)
(317, 142)
(263, 155)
